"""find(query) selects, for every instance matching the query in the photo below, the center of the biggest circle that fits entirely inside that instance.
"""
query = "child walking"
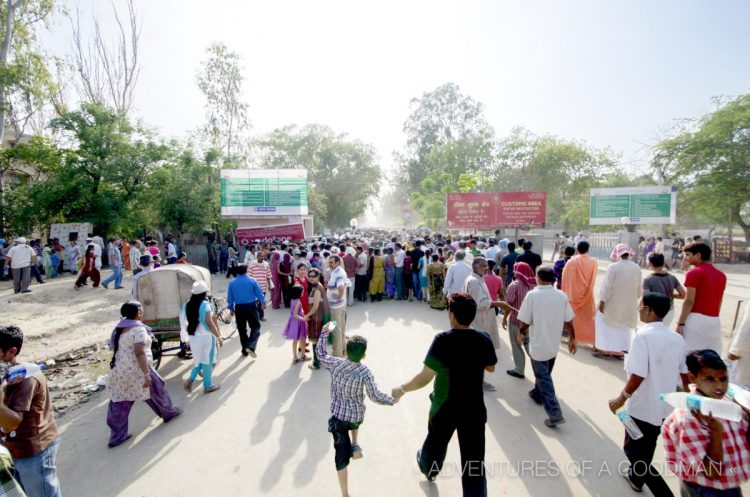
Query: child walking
(296, 327)
(349, 379)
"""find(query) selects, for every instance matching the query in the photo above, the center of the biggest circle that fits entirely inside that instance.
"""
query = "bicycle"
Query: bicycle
(223, 314)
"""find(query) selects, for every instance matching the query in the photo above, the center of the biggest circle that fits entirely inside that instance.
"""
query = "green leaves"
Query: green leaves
(343, 173)
(711, 163)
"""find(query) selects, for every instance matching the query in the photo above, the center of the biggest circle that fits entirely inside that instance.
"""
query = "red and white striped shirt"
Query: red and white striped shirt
(261, 272)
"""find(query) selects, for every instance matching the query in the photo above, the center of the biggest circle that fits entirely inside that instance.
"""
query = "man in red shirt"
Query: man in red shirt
(699, 320)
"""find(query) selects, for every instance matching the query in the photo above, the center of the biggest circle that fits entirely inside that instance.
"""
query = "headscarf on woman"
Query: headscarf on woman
(524, 274)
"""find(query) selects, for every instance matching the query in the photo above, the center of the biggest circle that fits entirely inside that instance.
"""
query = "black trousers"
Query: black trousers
(286, 293)
(342, 444)
(471, 443)
(640, 453)
(247, 314)
(360, 287)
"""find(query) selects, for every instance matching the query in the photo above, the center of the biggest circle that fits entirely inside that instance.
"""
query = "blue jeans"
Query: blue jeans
(400, 283)
(116, 276)
(544, 389)
(417, 285)
(38, 474)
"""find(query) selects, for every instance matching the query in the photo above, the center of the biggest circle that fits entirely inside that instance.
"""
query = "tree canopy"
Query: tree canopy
(711, 163)
(343, 173)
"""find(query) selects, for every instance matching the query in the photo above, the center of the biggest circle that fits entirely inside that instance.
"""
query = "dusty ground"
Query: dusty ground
(265, 429)
(69, 330)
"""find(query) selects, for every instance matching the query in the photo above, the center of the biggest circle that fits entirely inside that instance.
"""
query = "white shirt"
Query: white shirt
(491, 253)
(456, 277)
(337, 280)
(398, 258)
(97, 255)
(20, 256)
(171, 250)
(657, 354)
(545, 309)
(362, 259)
(249, 258)
(469, 256)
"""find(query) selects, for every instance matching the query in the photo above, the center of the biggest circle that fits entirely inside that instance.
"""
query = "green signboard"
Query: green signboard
(637, 205)
(263, 192)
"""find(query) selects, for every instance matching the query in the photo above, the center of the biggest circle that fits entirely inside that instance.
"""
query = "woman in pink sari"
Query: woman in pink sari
(275, 279)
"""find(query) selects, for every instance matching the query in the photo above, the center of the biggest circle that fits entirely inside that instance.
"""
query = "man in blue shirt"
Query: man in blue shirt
(243, 295)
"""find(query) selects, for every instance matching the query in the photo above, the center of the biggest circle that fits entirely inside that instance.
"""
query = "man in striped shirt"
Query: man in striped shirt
(261, 271)
(349, 379)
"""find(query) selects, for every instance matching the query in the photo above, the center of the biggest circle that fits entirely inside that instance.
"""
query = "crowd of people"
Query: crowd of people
(23, 260)
(484, 284)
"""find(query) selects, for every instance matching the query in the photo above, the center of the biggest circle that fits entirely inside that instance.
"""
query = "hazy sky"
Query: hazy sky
(613, 74)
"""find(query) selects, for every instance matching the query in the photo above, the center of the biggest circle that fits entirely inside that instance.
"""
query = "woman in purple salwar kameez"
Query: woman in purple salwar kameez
(133, 376)
(276, 280)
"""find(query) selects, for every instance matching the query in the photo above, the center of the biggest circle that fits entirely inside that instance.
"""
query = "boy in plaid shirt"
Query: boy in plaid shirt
(710, 455)
(349, 380)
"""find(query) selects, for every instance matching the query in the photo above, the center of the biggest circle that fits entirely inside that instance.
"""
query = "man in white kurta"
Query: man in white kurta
(618, 304)
(485, 319)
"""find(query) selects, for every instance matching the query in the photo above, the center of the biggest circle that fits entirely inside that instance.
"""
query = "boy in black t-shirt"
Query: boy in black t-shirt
(660, 281)
(457, 359)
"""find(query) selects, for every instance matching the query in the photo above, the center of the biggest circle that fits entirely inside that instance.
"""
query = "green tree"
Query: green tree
(566, 170)
(711, 164)
(182, 194)
(33, 162)
(25, 83)
(343, 174)
(454, 166)
(220, 79)
(98, 179)
(441, 117)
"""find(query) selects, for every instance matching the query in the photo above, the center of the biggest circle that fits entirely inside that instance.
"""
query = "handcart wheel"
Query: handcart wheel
(156, 352)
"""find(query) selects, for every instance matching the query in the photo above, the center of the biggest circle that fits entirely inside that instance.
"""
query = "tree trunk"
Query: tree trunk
(4, 52)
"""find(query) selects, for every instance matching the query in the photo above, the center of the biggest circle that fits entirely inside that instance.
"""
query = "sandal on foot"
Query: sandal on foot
(313, 366)
(189, 385)
(357, 451)
(212, 388)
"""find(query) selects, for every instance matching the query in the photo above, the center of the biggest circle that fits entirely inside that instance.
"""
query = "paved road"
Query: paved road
(264, 432)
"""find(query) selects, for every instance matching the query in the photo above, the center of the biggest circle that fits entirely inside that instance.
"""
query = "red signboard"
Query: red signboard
(496, 209)
(294, 232)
